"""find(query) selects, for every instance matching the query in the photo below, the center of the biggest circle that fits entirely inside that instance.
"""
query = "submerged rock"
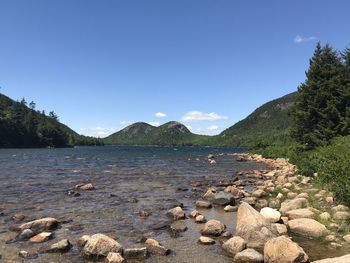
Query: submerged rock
(203, 204)
(284, 250)
(113, 257)
(59, 247)
(135, 253)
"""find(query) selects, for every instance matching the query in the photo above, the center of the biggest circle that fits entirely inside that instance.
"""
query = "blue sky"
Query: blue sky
(101, 65)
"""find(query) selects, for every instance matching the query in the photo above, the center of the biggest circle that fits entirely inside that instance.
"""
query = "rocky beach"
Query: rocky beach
(262, 211)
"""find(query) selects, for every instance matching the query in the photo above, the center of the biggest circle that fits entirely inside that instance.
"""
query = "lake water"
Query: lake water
(35, 182)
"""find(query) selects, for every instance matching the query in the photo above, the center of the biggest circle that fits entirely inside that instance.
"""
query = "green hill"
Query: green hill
(170, 133)
(22, 126)
(267, 125)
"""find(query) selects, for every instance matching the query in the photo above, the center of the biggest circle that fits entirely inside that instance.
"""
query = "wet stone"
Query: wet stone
(135, 253)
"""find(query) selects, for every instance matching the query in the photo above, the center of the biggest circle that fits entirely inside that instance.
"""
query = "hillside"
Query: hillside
(22, 126)
(170, 133)
(266, 125)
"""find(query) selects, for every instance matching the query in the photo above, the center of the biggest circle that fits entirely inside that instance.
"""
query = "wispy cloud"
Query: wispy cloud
(154, 123)
(300, 39)
(125, 123)
(160, 114)
(96, 131)
(201, 116)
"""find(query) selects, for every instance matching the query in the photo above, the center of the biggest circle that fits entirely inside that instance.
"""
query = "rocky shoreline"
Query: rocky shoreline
(272, 207)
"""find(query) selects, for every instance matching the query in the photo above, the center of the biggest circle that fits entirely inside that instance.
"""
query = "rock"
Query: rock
(113, 257)
(234, 245)
(59, 247)
(211, 156)
(261, 203)
(253, 227)
(287, 185)
(200, 219)
(230, 208)
(26, 234)
(307, 227)
(347, 238)
(18, 217)
(203, 204)
(281, 229)
(226, 234)
(223, 198)
(325, 216)
(212, 161)
(82, 241)
(213, 228)
(144, 213)
(40, 225)
(272, 215)
(300, 213)
(339, 208)
(210, 193)
(284, 220)
(156, 248)
(85, 187)
(343, 259)
(329, 200)
(303, 195)
(275, 203)
(100, 245)
(292, 205)
(341, 215)
(73, 193)
(249, 200)
(248, 255)
(176, 213)
(258, 193)
(330, 238)
(178, 226)
(283, 250)
(206, 240)
(42, 237)
(194, 214)
(135, 253)
(26, 255)
(292, 195)
(279, 196)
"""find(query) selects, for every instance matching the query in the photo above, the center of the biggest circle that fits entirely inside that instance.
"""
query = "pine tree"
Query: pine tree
(318, 110)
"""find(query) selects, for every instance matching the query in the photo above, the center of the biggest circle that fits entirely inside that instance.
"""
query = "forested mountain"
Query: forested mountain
(267, 124)
(170, 133)
(23, 126)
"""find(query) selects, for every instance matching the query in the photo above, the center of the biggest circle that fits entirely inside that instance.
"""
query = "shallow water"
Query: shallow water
(35, 182)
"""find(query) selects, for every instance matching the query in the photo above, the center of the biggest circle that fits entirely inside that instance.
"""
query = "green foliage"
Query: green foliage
(21, 126)
(322, 107)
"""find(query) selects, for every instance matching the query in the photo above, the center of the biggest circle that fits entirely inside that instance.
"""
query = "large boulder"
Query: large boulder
(213, 228)
(343, 259)
(248, 255)
(253, 227)
(300, 213)
(307, 227)
(292, 205)
(271, 214)
(40, 225)
(234, 245)
(100, 245)
(283, 250)
(223, 198)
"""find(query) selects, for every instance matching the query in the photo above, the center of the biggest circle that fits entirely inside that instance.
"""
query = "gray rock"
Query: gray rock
(248, 256)
(223, 198)
(59, 247)
(26, 234)
(135, 253)
(234, 245)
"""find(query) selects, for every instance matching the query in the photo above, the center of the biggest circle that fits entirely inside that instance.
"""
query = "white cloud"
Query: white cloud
(160, 114)
(201, 116)
(300, 39)
(125, 123)
(154, 123)
(97, 131)
(211, 130)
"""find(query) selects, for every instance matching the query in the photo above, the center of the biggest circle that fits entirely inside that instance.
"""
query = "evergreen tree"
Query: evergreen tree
(319, 107)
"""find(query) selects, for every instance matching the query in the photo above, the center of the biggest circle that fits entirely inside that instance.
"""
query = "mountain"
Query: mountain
(22, 126)
(170, 133)
(267, 125)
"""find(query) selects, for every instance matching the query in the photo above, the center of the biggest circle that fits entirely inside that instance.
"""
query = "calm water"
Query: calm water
(35, 182)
